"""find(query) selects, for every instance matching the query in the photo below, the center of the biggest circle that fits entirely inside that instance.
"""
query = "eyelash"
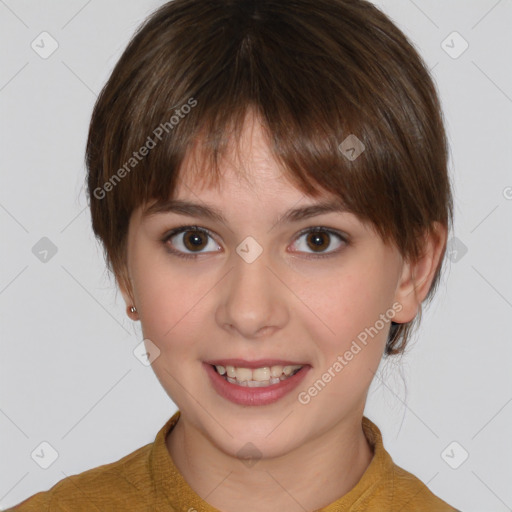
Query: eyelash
(183, 229)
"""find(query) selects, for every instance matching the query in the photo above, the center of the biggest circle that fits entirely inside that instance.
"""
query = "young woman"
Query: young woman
(269, 182)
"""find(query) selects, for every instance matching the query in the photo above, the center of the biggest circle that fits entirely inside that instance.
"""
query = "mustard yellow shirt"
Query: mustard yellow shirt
(148, 480)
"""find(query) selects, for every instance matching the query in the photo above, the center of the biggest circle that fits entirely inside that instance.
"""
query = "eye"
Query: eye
(191, 241)
(195, 239)
(319, 239)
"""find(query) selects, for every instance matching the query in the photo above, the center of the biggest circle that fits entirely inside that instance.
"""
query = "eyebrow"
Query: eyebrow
(209, 212)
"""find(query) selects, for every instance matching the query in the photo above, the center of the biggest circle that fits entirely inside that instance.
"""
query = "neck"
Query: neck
(331, 464)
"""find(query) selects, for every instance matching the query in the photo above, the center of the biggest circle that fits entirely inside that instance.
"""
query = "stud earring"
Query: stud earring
(133, 309)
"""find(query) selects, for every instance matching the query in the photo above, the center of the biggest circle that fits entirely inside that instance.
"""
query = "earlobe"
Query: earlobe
(417, 276)
(126, 290)
(131, 311)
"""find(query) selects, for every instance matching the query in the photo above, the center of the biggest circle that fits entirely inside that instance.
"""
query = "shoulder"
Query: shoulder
(411, 494)
(388, 487)
(125, 483)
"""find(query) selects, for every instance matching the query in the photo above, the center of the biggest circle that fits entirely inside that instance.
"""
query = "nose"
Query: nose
(254, 301)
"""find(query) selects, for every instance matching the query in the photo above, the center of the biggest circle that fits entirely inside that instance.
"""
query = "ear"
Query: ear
(125, 286)
(416, 277)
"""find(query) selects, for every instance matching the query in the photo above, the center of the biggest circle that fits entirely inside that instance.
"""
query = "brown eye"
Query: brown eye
(189, 242)
(194, 240)
(318, 240)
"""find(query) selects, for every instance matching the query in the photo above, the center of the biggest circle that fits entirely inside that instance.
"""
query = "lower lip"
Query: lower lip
(254, 396)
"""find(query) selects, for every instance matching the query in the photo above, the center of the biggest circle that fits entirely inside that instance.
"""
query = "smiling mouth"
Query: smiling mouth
(257, 377)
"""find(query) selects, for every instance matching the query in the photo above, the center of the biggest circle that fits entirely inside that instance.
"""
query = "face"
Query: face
(271, 294)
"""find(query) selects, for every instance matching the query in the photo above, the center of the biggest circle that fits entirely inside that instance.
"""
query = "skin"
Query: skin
(283, 305)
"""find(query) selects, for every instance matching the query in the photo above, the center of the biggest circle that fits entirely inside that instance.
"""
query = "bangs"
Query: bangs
(319, 109)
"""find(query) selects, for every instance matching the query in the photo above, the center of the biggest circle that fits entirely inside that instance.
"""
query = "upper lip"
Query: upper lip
(259, 363)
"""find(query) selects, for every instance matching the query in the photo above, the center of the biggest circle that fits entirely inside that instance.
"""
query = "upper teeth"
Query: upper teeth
(258, 374)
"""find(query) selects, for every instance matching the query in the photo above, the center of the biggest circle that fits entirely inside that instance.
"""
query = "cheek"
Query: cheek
(172, 308)
(347, 306)
(169, 295)
(349, 336)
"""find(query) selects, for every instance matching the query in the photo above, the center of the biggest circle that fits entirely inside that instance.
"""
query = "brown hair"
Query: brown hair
(316, 71)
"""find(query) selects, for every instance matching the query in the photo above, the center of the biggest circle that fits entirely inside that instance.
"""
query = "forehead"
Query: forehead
(246, 164)
(245, 167)
(246, 180)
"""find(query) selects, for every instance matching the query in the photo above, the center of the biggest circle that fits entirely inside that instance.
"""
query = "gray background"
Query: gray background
(68, 375)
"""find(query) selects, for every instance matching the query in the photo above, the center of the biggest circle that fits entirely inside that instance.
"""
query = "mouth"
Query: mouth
(261, 382)
(263, 376)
